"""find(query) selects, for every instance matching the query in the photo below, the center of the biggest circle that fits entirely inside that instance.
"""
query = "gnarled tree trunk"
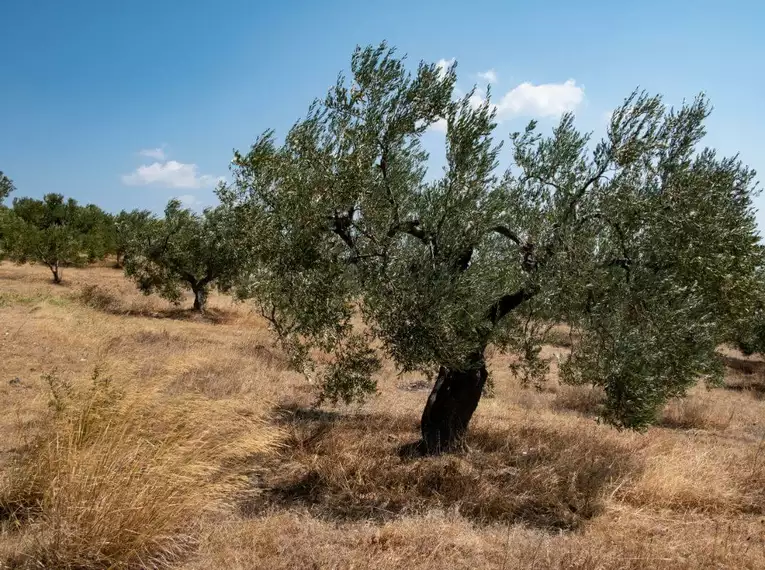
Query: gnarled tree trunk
(451, 404)
(200, 297)
(456, 393)
(56, 270)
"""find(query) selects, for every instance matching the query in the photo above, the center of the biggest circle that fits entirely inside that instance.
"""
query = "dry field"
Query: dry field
(137, 435)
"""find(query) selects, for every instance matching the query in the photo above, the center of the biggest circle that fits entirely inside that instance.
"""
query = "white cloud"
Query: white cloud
(155, 153)
(170, 174)
(546, 100)
(439, 126)
(489, 76)
(443, 65)
(189, 200)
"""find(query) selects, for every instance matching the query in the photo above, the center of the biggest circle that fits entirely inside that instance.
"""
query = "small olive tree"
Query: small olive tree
(45, 231)
(643, 242)
(183, 250)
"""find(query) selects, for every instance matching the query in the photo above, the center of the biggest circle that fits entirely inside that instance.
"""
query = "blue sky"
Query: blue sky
(128, 104)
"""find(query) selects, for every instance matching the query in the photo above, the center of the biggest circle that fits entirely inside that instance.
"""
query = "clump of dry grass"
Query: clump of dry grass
(99, 298)
(349, 468)
(123, 481)
(697, 412)
(585, 400)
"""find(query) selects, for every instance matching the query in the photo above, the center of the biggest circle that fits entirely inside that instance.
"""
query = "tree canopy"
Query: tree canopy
(127, 228)
(643, 242)
(51, 231)
(183, 250)
(6, 187)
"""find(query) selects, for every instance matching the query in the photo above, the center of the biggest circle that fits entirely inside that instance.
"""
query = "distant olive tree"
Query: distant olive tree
(98, 230)
(643, 242)
(184, 250)
(46, 231)
(127, 227)
(6, 187)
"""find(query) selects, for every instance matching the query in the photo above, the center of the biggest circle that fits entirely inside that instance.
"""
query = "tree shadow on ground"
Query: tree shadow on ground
(351, 467)
(105, 301)
(747, 375)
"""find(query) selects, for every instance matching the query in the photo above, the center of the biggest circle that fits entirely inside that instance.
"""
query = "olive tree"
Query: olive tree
(127, 227)
(748, 335)
(184, 250)
(98, 230)
(643, 242)
(6, 187)
(45, 231)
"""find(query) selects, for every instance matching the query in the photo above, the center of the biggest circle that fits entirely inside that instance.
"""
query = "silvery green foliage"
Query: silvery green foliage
(183, 251)
(127, 227)
(643, 242)
(6, 187)
(748, 334)
(48, 231)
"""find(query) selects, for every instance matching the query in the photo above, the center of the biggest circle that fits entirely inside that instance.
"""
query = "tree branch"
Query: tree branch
(342, 222)
(411, 227)
(576, 198)
(507, 303)
(541, 181)
(508, 233)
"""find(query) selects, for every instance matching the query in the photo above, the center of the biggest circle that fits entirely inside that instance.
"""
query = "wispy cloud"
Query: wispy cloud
(489, 76)
(155, 153)
(170, 174)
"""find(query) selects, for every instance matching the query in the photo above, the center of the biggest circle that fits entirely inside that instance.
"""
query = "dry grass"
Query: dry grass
(119, 470)
(122, 483)
(353, 468)
(203, 452)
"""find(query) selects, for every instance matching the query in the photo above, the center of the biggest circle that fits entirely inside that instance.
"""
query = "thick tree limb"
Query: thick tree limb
(463, 260)
(508, 233)
(507, 303)
(411, 227)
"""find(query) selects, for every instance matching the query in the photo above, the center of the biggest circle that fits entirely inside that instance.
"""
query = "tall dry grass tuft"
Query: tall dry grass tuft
(698, 411)
(585, 400)
(122, 481)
